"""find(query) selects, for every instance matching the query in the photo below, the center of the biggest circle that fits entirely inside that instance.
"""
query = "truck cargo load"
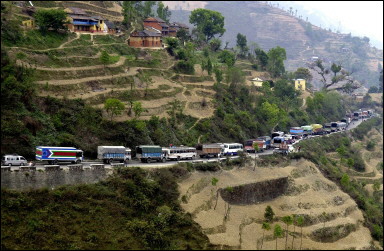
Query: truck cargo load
(54, 154)
(147, 153)
(209, 150)
(317, 129)
(249, 145)
(113, 153)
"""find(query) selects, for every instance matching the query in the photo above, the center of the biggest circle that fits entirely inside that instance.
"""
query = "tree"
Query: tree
(241, 42)
(267, 227)
(129, 12)
(303, 73)
(288, 221)
(175, 108)
(342, 152)
(105, 58)
(50, 19)
(138, 109)
(227, 58)
(373, 89)
(350, 162)
(300, 222)
(271, 114)
(163, 12)
(218, 74)
(277, 233)
(294, 221)
(208, 22)
(262, 58)
(147, 8)
(215, 44)
(345, 180)
(182, 35)
(209, 67)
(114, 107)
(268, 215)
(275, 65)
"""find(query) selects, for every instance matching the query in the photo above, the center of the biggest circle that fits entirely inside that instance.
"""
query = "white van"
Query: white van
(13, 160)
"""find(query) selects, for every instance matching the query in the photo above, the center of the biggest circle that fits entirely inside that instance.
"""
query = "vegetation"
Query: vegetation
(132, 209)
(208, 22)
(50, 19)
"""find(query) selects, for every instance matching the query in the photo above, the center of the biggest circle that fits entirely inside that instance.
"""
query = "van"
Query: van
(13, 160)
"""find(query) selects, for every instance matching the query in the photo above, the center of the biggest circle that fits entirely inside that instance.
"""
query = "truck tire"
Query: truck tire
(163, 160)
(78, 161)
(148, 160)
(110, 161)
(54, 162)
(178, 158)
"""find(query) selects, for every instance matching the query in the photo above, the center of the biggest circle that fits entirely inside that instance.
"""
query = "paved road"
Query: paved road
(87, 163)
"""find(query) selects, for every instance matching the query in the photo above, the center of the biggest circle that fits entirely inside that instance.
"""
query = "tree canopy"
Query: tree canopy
(208, 22)
(50, 19)
(275, 65)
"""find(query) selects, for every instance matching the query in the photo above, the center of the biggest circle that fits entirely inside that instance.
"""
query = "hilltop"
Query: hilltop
(269, 27)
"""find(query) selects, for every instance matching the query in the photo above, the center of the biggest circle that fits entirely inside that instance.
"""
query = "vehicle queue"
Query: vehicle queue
(279, 141)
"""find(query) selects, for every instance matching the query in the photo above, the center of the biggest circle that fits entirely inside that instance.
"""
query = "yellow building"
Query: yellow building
(257, 82)
(80, 21)
(300, 84)
(29, 23)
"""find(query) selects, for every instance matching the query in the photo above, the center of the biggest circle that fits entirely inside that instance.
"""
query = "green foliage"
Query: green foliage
(241, 42)
(275, 65)
(163, 12)
(138, 108)
(303, 73)
(215, 44)
(48, 19)
(262, 58)
(128, 210)
(208, 22)
(371, 145)
(114, 107)
(214, 181)
(269, 214)
(104, 58)
(227, 57)
(185, 67)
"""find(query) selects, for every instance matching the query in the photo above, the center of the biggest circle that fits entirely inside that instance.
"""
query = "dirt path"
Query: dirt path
(63, 44)
(82, 68)
(130, 72)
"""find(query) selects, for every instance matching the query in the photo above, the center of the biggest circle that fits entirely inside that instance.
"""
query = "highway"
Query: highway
(87, 163)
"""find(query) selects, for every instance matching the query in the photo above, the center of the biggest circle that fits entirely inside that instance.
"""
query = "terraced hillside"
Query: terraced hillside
(238, 224)
(74, 70)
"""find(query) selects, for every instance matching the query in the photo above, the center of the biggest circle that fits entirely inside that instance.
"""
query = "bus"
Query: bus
(341, 126)
(231, 148)
(333, 126)
(277, 134)
(147, 153)
(181, 152)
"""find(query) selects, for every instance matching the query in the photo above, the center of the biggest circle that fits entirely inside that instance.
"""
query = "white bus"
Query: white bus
(231, 148)
(178, 153)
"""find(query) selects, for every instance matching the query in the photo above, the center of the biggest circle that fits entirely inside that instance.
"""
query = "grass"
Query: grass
(83, 40)
(106, 39)
(34, 39)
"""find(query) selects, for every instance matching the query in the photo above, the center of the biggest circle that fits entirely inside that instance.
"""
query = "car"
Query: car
(13, 160)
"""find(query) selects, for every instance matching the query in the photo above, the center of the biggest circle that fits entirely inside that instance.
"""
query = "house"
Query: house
(158, 24)
(258, 82)
(29, 23)
(145, 38)
(79, 21)
(110, 27)
(300, 84)
(175, 27)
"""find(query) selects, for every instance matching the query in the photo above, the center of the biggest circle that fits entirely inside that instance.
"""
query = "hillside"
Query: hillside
(270, 27)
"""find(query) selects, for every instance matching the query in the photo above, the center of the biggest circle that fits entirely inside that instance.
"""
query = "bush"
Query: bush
(370, 145)
(210, 166)
(185, 67)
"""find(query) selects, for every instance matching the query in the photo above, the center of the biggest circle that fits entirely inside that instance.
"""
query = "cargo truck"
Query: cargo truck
(110, 154)
(148, 153)
(209, 150)
(266, 140)
(249, 145)
(54, 154)
(317, 129)
(284, 148)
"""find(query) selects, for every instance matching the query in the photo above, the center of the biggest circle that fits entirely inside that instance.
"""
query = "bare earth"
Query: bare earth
(243, 228)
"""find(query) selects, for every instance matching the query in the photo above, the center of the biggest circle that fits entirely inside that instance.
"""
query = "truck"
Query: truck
(317, 129)
(327, 128)
(356, 115)
(55, 154)
(266, 140)
(248, 145)
(209, 150)
(277, 141)
(341, 126)
(296, 132)
(308, 130)
(110, 154)
(148, 153)
(277, 134)
(284, 148)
